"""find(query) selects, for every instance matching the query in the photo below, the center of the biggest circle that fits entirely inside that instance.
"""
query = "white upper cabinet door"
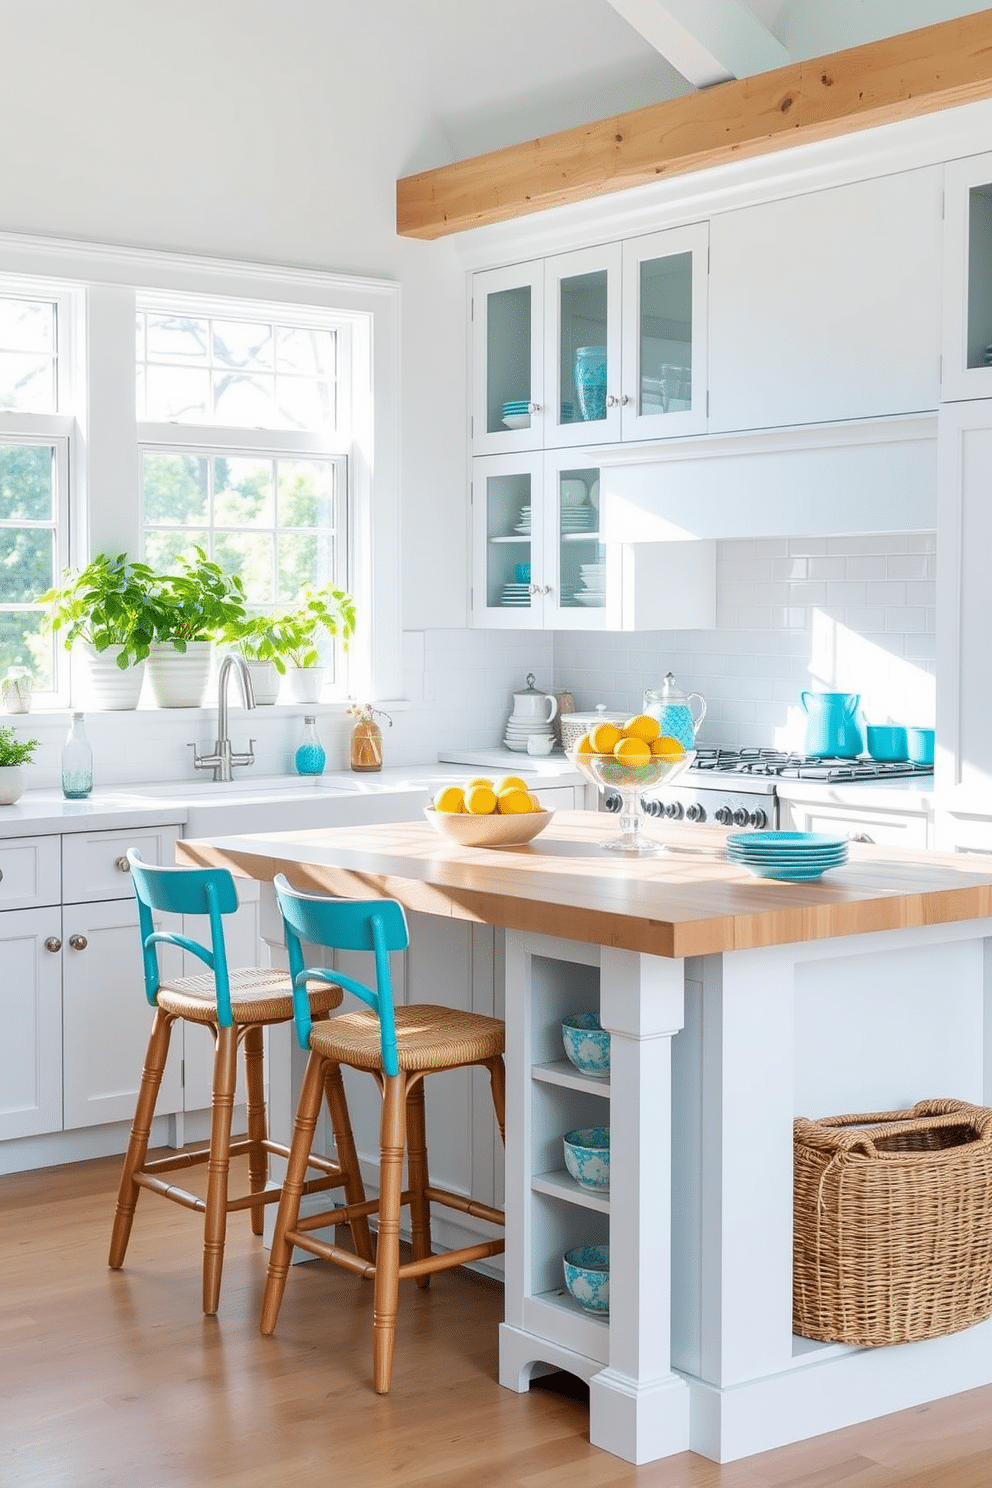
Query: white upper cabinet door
(967, 369)
(582, 393)
(508, 541)
(508, 412)
(826, 306)
(664, 333)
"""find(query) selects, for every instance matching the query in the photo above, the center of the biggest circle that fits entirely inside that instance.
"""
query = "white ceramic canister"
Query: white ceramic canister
(574, 725)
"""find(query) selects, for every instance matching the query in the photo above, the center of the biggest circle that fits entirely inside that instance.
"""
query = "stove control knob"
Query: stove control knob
(741, 817)
(759, 819)
(674, 810)
(652, 808)
(695, 813)
(724, 816)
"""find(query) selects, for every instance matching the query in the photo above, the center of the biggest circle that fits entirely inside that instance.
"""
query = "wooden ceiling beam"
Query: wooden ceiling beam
(900, 77)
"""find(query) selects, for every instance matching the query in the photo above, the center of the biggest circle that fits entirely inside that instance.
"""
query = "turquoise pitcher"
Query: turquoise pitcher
(675, 712)
(833, 726)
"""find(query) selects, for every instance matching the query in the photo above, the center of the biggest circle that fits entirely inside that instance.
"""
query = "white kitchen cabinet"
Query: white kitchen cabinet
(895, 827)
(826, 306)
(31, 1013)
(539, 561)
(967, 319)
(593, 347)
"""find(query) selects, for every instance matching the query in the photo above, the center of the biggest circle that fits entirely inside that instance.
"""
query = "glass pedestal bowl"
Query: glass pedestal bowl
(630, 782)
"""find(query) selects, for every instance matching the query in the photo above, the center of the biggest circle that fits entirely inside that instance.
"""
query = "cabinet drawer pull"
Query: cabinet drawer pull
(53, 943)
(1, 873)
(122, 865)
(78, 942)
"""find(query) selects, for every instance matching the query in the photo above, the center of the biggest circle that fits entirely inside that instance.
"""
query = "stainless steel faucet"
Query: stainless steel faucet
(222, 759)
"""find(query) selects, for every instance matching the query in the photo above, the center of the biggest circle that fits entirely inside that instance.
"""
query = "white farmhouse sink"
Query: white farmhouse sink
(283, 803)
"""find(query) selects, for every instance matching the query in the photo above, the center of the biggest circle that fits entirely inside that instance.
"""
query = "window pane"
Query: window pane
(245, 401)
(306, 493)
(25, 641)
(250, 555)
(304, 403)
(27, 325)
(243, 494)
(176, 394)
(243, 344)
(27, 382)
(175, 489)
(27, 563)
(163, 548)
(177, 338)
(304, 559)
(26, 482)
(309, 352)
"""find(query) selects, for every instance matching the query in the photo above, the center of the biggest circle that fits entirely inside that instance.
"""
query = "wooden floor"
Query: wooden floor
(110, 1379)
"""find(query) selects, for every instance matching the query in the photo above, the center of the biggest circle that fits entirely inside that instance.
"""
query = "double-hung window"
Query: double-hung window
(35, 429)
(243, 432)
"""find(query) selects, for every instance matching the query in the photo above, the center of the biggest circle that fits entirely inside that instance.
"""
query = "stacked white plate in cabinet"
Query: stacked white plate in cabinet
(795, 857)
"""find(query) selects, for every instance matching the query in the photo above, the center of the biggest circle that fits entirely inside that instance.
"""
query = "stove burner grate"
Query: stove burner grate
(786, 765)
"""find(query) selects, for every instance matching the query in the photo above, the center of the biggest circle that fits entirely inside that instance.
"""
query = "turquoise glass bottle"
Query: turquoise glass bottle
(77, 762)
(310, 756)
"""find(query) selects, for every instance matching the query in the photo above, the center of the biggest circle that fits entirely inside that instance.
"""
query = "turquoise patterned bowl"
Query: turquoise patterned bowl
(587, 1276)
(586, 1043)
(587, 1157)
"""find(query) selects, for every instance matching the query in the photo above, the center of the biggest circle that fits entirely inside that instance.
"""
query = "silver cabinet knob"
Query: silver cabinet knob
(860, 837)
(78, 942)
(533, 407)
(122, 865)
(53, 944)
(612, 401)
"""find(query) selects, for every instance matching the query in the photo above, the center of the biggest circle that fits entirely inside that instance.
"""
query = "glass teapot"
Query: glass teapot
(675, 712)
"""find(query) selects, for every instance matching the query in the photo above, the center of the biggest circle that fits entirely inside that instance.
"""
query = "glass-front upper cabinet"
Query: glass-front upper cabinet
(508, 359)
(582, 347)
(664, 337)
(967, 340)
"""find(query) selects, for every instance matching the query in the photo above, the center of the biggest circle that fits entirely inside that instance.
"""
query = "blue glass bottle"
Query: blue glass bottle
(77, 762)
(310, 756)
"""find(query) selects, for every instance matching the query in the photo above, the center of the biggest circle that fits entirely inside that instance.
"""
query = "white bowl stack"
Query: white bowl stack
(519, 730)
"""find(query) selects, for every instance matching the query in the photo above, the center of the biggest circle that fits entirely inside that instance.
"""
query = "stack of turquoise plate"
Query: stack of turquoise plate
(796, 857)
(516, 413)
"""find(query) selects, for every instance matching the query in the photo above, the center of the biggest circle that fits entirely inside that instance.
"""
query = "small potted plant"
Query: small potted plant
(291, 639)
(108, 610)
(14, 752)
(191, 607)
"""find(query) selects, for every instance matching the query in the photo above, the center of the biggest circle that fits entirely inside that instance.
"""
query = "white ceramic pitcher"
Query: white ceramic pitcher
(533, 706)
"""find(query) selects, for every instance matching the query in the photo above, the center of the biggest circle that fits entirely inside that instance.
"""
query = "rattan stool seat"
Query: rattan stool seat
(258, 995)
(427, 1038)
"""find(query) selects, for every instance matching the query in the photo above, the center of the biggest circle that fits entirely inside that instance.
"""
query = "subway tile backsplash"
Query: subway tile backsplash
(850, 614)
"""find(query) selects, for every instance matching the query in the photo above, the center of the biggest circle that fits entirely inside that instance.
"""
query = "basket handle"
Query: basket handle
(925, 1116)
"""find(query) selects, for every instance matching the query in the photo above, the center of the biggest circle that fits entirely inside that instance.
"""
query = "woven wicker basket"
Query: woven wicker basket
(893, 1224)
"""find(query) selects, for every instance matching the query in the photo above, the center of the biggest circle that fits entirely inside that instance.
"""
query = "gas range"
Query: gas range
(737, 787)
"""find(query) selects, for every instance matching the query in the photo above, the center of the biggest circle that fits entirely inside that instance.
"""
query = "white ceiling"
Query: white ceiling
(497, 74)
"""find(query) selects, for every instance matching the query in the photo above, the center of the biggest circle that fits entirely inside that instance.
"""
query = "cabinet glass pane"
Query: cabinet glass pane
(665, 350)
(582, 329)
(581, 556)
(508, 349)
(508, 529)
(980, 277)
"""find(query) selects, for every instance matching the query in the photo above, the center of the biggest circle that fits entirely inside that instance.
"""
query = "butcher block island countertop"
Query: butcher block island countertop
(689, 901)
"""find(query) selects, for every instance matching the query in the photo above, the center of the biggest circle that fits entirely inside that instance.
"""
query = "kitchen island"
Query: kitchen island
(734, 1005)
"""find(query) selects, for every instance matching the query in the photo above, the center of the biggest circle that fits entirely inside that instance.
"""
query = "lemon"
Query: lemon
(670, 748)
(584, 745)
(603, 737)
(535, 804)
(479, 780)
(480, 799)
(642, 726)
(632, 751)
(449, 798)
(509, 782)
(513, 802)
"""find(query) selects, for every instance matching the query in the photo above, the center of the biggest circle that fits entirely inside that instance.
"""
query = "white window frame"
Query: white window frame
(102, 284)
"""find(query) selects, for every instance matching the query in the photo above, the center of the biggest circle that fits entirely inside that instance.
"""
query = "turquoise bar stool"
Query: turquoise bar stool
(235, 1005)
(399, 1047)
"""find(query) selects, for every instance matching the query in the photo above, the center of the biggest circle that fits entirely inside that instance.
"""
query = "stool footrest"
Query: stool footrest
(451, 1258)
(171, 1191)
(465, 1206)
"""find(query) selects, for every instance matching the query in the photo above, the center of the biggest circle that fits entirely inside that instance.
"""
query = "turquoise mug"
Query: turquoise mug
(919, 745)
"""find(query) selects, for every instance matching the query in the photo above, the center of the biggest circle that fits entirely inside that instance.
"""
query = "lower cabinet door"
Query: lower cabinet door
(106, 1018)
(30, 1015)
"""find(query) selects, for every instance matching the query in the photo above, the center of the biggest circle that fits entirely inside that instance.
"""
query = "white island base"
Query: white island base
(712, 1059)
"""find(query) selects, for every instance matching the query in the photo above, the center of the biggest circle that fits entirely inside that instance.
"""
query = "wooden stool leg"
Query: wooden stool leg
(386, 1296)
(258, 1158)
(218, 1164)
(307, 1111)
(416, 1156)
(347, 1153)
(497, 1081)
(141, 1128)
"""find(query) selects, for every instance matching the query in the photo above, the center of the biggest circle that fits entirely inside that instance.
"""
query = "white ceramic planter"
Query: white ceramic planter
(11, 784)
(105, 686)
(305, 684)
(264, 681)
(178, 679)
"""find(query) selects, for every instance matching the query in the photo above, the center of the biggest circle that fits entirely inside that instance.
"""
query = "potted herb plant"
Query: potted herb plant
(14, 752)
(108, 610)
(191, 607)
(291, 639)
